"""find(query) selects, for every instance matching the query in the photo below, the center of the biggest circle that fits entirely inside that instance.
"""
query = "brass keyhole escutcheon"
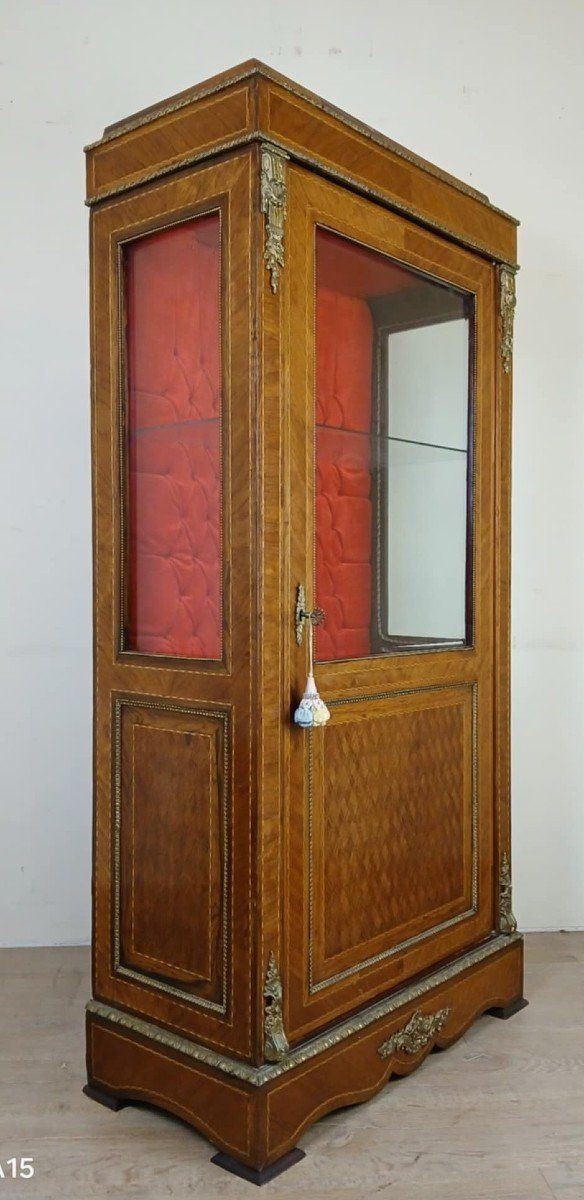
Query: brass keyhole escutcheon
(302, 614)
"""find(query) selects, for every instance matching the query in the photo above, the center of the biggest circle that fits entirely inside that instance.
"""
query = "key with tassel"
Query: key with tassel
(312, 711)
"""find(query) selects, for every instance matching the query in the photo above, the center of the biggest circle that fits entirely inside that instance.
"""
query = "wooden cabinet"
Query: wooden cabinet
(301, 341)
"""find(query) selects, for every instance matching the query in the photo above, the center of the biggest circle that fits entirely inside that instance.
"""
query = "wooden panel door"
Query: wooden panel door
(171, 286)
(389, 835)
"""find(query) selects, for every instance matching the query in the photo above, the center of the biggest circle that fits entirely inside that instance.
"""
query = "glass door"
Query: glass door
(391, 476)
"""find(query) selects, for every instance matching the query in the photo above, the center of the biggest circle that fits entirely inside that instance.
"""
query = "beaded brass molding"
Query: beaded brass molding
(276, 1045)
(259, 1076)
(507, 305)
(419, 1030)
(507, 922)
(315, 986)
(273, 203)
(119, 967)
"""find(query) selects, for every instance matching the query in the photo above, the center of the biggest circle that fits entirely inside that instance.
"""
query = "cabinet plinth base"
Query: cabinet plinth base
(113, 1102)
(508, 1010)
(254, 1116)
(251, 1173)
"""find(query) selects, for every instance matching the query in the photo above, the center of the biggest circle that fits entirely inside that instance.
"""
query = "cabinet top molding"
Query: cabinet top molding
(253, 103)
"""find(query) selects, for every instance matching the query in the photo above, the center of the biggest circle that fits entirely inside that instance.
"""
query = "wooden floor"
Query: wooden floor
(499, 1116)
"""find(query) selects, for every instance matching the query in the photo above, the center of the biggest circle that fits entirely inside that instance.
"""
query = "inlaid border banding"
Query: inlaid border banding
(119, 968)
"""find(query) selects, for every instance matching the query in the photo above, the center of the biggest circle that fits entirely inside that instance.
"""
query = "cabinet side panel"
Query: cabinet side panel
(173, 734)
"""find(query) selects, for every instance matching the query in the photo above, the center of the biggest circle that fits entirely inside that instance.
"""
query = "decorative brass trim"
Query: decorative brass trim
(211, 87)
(259, 1076)
(299, 613)
(130, 972)
(507, 305)
(419, 937)
(276, 1044)
(507, 922)
(419, 1030)
(273, 197)
(316, 616)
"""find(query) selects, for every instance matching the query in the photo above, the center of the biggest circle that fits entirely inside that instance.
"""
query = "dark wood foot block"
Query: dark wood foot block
(113, 1102)
(509, 1010)
(251, 1174)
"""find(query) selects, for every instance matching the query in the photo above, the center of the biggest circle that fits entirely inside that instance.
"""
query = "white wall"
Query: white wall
(492, 92)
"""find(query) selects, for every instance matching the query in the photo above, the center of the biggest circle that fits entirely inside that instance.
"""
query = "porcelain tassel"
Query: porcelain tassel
(312, 711)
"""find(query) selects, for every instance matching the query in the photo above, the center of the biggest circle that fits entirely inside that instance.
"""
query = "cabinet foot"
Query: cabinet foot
(113, 1102)
(509, 1010)
(251, 1173)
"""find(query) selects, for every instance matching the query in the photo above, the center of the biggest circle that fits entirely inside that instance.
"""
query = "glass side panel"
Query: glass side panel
(393, 449)
(426, 541)
(173, 431)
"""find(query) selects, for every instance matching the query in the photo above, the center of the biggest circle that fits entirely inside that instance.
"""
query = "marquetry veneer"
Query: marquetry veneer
(286, 917)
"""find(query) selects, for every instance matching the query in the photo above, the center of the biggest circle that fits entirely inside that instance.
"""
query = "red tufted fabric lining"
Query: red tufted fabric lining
(174, 440)
(344, 350)
(348, 274)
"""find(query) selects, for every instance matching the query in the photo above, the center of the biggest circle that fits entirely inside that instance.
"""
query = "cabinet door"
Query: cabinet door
(171, 334)
(390, 805)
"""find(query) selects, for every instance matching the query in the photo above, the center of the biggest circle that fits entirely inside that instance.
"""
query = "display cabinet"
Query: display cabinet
(302, 343)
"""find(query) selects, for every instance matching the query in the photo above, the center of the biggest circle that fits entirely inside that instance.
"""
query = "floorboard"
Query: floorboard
(500, 1116)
